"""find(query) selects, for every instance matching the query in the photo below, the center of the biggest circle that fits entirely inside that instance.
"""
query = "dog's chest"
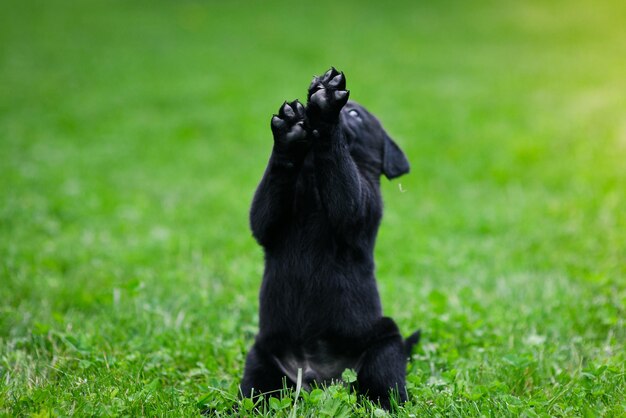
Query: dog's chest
(307, 196)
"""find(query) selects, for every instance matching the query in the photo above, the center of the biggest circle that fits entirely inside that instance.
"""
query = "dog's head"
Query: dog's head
(370, 146)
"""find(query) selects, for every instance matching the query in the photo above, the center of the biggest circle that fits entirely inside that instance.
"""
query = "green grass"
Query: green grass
(133, 134)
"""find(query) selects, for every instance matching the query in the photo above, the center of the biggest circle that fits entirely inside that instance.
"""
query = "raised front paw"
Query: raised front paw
(327, 96)
(288, 126)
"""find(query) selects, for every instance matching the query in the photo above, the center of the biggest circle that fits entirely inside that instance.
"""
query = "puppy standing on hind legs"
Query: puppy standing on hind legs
(316, 214)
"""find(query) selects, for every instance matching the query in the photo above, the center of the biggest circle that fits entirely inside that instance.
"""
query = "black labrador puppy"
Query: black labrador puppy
(316, 213)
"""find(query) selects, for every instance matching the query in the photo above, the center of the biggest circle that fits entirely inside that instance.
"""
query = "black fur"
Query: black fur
(316, 213)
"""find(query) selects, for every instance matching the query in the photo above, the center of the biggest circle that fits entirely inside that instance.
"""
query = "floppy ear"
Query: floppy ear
(395, 163)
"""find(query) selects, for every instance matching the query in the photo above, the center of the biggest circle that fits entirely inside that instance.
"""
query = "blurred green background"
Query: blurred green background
(132, 137)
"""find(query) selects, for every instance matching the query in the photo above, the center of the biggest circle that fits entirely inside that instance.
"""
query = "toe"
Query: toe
(299, 108)
(288, 111)
(319, 98)
(341, 96)
(338, 82)
(330, 73)
(277, 123)
(314, 83)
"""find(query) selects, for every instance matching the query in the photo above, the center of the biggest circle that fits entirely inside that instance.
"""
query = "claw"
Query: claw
(299, 108)
(330, 73)
(314, 84)
(338, 82)
(288, 111)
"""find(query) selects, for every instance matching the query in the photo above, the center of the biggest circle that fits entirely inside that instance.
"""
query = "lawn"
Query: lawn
(133, 135)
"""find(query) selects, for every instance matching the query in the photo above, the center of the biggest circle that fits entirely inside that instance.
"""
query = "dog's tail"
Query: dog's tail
(412, 341)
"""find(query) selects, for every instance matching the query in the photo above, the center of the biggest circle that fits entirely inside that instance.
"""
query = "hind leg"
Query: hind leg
(383, 370)
(261, 375)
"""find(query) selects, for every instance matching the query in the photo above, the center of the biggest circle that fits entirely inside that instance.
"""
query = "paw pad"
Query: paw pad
(328, 94)
(288, 124)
